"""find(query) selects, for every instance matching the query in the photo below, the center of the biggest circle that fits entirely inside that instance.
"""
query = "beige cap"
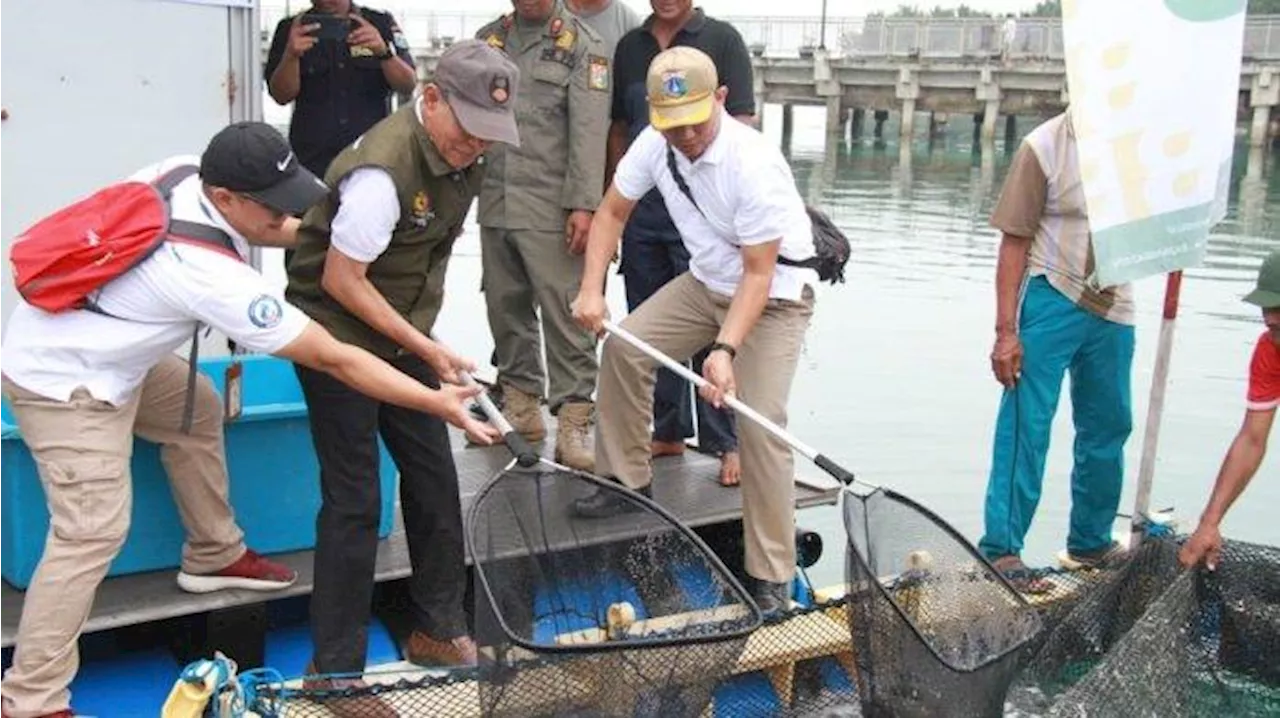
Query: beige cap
(681, 87)
(479, 83)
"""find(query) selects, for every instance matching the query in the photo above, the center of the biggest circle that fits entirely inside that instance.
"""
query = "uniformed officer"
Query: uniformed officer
(370, 267)
(340, 88)
(535, 210)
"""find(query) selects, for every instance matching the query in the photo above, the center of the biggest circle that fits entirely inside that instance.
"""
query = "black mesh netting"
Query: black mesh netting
(936, 631)
(1146, 638)
(926, 628)
(630, 615)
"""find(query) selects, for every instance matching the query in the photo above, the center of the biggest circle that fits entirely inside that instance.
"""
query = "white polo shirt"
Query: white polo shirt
(744, 186)
(154, 308)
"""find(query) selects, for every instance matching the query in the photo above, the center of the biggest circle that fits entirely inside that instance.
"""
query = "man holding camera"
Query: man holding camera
(338, 63)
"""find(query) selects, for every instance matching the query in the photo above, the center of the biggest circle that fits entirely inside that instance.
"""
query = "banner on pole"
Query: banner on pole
(1153, 90)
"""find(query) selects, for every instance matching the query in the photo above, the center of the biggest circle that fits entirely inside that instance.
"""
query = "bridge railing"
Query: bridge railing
(924, 37)
(1262, 38)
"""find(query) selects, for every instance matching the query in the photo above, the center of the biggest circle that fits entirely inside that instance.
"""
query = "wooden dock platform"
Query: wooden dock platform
(687, 486)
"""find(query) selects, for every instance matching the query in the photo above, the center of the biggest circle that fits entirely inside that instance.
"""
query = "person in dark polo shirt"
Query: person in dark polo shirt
(370, 267)
(340, 88)
(652, 253)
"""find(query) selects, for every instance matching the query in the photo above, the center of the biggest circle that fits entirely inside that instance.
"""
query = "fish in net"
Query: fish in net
(936, 630)
(629, 616)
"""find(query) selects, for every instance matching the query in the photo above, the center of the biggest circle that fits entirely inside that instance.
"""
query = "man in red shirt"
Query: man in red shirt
(1245, 455)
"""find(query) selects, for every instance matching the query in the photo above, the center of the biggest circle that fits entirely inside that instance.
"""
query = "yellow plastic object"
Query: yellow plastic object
(189, 698)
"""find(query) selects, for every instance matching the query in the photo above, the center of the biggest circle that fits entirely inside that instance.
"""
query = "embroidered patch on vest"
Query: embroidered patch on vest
(421, 209)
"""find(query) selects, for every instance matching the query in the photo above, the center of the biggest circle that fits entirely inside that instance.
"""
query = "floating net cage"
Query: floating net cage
(1146, 638)
(625, 616)
(936, 630)
(634, 616)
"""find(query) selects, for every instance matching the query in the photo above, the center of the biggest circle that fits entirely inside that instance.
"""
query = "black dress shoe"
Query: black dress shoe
(604, 503)
(770, 597)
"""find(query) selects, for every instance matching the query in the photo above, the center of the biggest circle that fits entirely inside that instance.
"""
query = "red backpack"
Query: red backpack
(59, 262)
(64, 258)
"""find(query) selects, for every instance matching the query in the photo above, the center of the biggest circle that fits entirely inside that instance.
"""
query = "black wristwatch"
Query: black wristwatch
(726, 348)
(386, 55)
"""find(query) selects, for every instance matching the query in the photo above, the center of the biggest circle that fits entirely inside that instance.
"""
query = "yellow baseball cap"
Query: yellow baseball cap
(681, 86)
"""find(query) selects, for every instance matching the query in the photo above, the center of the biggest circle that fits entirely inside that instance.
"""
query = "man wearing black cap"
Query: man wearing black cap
(370, 266)
(82, 383)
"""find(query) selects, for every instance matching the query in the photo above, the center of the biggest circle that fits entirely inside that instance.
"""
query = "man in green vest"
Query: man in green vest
(370, 267)
(535, 210)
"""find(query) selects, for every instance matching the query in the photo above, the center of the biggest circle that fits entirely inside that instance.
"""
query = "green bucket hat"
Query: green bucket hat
(1267, 294)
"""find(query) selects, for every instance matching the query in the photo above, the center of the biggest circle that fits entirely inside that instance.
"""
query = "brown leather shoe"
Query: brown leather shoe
(360, 706)
(423, 650)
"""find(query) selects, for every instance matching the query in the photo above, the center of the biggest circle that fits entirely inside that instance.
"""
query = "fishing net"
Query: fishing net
(936, 631)
(1145, 638)
(629, 616)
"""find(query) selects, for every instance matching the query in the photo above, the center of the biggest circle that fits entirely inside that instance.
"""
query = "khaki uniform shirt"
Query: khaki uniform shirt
(1043, 199)
(562, 111)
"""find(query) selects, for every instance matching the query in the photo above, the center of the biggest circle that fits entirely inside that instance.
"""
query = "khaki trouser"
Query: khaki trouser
(82, 449)
(524, 269)
(681, 318)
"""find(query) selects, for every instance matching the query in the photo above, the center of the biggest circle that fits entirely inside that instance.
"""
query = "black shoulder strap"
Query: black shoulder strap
(166, 182)
(200, 233)
(192, 231)
(679, 178)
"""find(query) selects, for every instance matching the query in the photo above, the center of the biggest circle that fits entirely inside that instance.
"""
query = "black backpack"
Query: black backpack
(831, 247)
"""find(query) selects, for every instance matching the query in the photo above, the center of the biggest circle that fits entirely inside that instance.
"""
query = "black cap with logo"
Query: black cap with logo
(254, 159)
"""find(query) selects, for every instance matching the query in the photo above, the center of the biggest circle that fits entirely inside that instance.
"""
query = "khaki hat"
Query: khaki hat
(681, 86)
(1267, 293)
(479, 83)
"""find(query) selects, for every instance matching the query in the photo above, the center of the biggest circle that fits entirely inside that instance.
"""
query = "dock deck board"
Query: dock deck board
(686, 486)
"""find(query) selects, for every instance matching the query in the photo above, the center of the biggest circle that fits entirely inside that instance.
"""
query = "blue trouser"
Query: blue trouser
(649, 261)
(1058, 337)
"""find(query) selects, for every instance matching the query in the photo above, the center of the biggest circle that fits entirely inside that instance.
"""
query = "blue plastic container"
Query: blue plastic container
(275, 482)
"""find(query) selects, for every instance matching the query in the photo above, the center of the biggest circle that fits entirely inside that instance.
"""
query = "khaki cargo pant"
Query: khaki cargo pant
(524, 269)
(82, 449)
(681, 318)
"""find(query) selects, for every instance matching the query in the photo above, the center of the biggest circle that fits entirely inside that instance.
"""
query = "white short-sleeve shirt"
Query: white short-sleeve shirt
(746, 194)
(151, 310)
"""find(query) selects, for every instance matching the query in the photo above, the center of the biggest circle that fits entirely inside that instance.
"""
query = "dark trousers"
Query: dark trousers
(345, 426)
(649, 261)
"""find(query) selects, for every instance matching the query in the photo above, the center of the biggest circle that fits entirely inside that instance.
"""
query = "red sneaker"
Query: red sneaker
(251, 571)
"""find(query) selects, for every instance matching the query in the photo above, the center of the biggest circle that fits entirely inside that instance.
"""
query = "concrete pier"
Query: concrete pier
(1264, 98)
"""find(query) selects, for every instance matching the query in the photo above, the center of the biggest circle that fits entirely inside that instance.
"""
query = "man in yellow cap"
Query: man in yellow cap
(734, 201)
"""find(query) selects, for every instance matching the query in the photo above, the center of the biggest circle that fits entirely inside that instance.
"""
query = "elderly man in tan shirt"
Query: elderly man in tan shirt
(1051, 320)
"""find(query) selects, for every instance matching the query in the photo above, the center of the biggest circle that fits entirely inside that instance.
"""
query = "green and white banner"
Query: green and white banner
(1153, 87)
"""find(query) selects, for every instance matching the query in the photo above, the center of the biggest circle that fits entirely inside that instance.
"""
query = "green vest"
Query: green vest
(434, 199)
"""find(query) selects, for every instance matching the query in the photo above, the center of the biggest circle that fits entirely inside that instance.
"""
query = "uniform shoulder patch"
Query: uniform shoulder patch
(265, 311)
(598, 68)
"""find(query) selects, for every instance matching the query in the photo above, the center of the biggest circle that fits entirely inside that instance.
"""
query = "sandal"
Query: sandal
(1022, 578)
(1109, 555)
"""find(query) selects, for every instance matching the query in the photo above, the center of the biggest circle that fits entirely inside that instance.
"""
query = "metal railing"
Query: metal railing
(937, 38)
